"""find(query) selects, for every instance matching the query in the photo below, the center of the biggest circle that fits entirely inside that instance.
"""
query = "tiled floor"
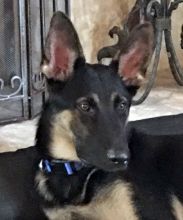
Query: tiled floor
(161, 101)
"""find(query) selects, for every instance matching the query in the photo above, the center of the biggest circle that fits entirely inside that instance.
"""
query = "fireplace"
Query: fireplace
(23, 26)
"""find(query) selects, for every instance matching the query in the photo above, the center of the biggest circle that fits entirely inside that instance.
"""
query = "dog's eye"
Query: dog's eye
(85, 106)
(120, 104)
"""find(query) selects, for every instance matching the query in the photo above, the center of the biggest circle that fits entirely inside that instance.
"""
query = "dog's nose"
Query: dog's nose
(118, 157)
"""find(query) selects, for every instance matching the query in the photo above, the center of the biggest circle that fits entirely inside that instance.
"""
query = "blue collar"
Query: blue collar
(70, 167)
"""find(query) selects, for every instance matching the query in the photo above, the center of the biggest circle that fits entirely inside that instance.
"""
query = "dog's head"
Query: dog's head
(86, 115)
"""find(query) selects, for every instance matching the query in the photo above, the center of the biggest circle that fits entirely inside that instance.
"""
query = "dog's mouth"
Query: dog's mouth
(114, 167)
(106, 165)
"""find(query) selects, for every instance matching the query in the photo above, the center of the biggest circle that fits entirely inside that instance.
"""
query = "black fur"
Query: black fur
(18, 199)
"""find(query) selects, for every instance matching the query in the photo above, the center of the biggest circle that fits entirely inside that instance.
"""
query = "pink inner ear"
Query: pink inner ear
(61, 59)
(131, 63)
(59, 62)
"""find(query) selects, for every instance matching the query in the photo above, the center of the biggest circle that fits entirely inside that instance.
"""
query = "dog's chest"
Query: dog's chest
(111, 202)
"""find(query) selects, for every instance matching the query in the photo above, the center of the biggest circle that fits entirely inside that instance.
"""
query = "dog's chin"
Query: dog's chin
(107, 166)
(113, 167)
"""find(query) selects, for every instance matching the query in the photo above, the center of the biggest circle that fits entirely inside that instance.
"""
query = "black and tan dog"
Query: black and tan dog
(86, 169)
(84, 125)
(82, 136)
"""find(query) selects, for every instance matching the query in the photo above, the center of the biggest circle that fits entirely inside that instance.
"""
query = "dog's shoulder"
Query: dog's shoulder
(108, 203)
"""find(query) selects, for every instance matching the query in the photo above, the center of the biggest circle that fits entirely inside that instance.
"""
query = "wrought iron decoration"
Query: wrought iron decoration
(16, 89)
(182, 38)
(159, 13)
(23, 29)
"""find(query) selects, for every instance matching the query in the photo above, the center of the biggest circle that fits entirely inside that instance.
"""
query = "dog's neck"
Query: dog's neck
(60, 181)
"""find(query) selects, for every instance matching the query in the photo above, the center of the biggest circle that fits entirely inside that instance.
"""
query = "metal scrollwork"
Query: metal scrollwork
(153, 10)
(181, 44)
(1, 84)
(14, 80)
(111, 51)
(38, 82)
(175, 66)
(159, 14)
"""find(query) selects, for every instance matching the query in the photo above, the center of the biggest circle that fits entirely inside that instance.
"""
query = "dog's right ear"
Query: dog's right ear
(62, 48)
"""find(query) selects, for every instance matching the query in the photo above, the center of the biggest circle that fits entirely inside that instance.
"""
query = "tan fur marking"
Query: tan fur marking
(113, 96)
(45, 69)
(177, 208)
(62, 145)
(96, 98)
(111, 203)
(40, 181)
(136, 81)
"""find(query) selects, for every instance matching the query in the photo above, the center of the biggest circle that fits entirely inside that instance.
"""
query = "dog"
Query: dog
(84, 124)
(88, 163)
(86, 171)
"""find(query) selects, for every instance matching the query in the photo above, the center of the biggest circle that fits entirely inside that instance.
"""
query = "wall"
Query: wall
(93, 19)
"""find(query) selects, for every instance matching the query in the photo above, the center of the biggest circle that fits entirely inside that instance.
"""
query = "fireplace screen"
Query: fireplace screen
(23, 26)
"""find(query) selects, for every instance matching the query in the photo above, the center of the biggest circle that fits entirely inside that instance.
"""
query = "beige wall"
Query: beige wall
(94, 18)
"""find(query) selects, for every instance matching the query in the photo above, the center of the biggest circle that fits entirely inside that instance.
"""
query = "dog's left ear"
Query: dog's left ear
(135, 55)
(62, 48)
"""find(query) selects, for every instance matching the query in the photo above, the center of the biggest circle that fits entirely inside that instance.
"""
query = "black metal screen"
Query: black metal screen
(23, 26)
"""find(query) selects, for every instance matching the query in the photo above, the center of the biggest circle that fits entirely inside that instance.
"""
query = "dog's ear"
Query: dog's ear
(62, 48)
(135, 55)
